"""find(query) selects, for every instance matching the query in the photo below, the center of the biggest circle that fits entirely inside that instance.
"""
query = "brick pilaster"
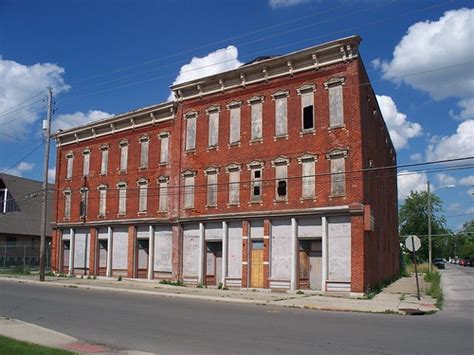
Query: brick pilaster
(177, 252)
(358, 276)
(245, 253)
(93, 252)
(131, 257)
(266, 252)
(55, 250)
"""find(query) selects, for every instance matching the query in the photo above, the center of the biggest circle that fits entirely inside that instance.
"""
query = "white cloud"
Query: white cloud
(401, 130)
(445, 179)
(51, 175)
(454, 207)
(458, 145)
(215, 62)
(429, 45)
(19, 83)
(20, 168)
(468, 180)
(408, 182)
(69, 120)
(285, 3)
(416, 157)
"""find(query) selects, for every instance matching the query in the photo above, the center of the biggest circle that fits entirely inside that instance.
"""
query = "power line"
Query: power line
(23, 158)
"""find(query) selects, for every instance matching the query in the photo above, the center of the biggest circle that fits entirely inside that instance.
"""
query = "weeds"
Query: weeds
(435, 289)
(299, 292)
(119, 278)
(172, 283)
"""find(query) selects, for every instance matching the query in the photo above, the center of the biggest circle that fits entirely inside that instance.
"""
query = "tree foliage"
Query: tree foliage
(413, 217)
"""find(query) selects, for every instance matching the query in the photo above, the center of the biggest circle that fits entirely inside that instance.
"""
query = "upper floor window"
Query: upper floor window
(281, 113)
(191, 118)
(164, 147)
(211, 174)
(163, 182)
(104, 164)
(122, 200)
(144, 144)
(336, 101)
(337, 159)
(102, 200)
(213, 130)
(67, 203)
(256, 129)
(234, 132)
(189, 180)
(281, 178)
(256, 169)
(142, 195)
(69, 165)
(86, 155)
(234, 183)
(84, 201)
(123, 155)
(308, 178)
(307, 106)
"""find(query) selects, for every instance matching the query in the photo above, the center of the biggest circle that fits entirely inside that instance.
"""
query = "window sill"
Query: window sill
(143, 213)
(330, 128)
(311, 199)
(66, 219)
(143, 168)
(285, 200)
(211, 207)
(103, 174)
(162, 212)
(122, 171)
(68, 179)
(121, 215)
(165, 163)
(190, 151)
(256, 203)
(280, 137)
(189, 207)
(214, 147)
(307, 132)
(235, 144)
(254, 141)
(101, 216)
(337, 196)
(233, 205)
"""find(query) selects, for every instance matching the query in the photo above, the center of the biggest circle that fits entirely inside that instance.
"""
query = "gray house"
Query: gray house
(20, 220)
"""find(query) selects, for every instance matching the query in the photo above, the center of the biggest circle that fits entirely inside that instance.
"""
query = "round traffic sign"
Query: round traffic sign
(412, 242)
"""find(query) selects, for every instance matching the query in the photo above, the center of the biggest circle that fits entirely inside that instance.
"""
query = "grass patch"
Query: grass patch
(423, 268)
(15, 271)
(172, 283)
(376, 289)
(435, 289)
(12, 346)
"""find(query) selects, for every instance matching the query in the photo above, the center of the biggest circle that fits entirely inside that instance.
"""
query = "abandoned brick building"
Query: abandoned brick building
(264, 176)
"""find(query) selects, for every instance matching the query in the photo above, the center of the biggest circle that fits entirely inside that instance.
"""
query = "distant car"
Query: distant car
(462, 262)
(439, 263)
(468, 262)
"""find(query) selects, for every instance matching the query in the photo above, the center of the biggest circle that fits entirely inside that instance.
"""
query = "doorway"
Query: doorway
(256, 264)
(213, 263)
(66, 252)
(103, 246)
(142, 260)
(310, 264)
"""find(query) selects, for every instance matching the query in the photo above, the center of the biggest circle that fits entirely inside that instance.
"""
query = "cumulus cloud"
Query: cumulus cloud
(66, 121)
(20, 168)
(408, 182)
(401, 130)
(19, 83)
(445, 179)
(468, 180)
(457, 145)
(428, 45)
(416, 157)
(215, 62)
(274, 4)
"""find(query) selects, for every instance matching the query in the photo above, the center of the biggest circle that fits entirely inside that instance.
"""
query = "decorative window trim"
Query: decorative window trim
(280, 94)
(142, 181)
(234, 104)
(123, 142)
(334, 82)
(213, 109)
(211, 170)
(144, 138)
(256, 100)
(189, 173)
(69, 155)
(256, 164)
(104, 146)
(164, 134)
(162, 179)
(337, 153)
(102, 187)
(306, 88)
(191, 114)
(281, 160)
(86, 151)
(67, 191)
(234, 167)
(307, 157)
(122, 184)
(83, 189)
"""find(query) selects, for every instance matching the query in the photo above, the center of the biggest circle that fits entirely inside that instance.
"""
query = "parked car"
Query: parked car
(439, 263)
(467, 262)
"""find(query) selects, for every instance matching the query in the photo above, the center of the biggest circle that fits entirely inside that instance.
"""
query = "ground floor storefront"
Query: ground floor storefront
(317, 252)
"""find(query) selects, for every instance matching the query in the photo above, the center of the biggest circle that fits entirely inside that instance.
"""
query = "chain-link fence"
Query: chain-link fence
(22, 258)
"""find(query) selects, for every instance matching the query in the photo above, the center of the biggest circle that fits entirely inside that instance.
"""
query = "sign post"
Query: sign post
(413, 243)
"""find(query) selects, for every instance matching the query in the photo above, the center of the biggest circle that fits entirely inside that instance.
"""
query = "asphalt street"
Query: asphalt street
(182, 326)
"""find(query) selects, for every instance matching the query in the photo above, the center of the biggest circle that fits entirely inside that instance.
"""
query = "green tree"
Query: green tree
(464, 240)
(413, 216)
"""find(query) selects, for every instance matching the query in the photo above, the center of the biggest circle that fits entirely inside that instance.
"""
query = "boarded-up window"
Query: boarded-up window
(336, 112)
(67, 204)
(144, 144)
(338, 175)
(234, 125)
(83, 202)
(69, 165)
(86, 162)
(307, 110)
(213, 129)
(102, 200)
(163, 201)
(143, 196)
(122, 199)
(212, 188)
(104, 164)
(256, 118)
(308, 178)
(234, 186)
(123, 156)
(256, 185)
(191, 132)
(281, 126)
(164, 148)
(189, 190)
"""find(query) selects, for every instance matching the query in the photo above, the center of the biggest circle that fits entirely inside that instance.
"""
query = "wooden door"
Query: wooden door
(103, 245)
(142, 261)
(256, 265)
(304, 269)
(210, 266)
(66, 251)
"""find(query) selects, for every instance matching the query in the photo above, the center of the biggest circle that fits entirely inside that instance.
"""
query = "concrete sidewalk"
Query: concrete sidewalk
(399, 297)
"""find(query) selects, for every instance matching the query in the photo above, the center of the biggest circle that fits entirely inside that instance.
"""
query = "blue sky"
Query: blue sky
(107, 57)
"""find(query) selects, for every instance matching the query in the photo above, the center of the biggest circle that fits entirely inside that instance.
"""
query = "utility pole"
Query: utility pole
(44, 202)
(429, 225)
